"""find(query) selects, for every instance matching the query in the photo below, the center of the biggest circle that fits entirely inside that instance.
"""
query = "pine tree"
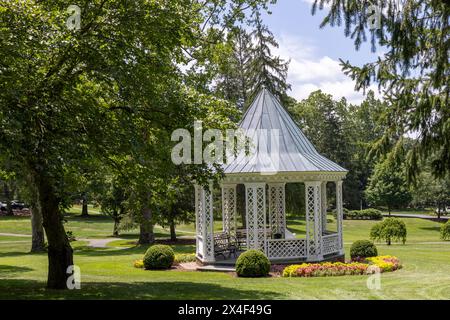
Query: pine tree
(266, 70)
(413, 73)
(232, 81)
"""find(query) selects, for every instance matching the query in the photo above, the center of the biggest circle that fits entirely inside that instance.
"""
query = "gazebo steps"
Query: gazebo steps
(217, 268)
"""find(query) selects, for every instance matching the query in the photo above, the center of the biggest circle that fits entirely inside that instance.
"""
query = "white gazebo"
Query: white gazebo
(290, 158)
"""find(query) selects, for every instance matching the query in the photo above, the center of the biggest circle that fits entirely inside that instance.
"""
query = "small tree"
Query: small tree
(389, 230)
(388, 186)
(111, 198)
(432, 191)
(445, 231)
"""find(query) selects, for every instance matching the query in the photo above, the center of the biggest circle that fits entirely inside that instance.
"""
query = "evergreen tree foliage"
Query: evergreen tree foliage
(413, 73)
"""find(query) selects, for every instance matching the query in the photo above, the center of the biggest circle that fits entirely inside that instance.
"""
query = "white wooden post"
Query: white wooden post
(323, 201)
(204, 223)
(313, 220)
(339, 215)
(198, 222)
(255, 198)
(277, 216)
(229, 208)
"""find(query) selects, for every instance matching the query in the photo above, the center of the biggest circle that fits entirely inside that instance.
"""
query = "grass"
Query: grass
(108, 273)
(97, 225)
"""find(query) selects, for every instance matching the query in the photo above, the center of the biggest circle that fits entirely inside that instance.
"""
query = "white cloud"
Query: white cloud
(309, 71)
(326, 5)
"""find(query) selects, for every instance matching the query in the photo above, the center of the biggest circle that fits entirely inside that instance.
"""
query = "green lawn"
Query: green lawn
(109, 272)
(96, 225)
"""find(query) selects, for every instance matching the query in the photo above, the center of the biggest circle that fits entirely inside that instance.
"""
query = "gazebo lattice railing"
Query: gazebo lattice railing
(266, 231)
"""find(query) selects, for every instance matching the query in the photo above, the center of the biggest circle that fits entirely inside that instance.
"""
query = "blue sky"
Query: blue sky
(314, 52)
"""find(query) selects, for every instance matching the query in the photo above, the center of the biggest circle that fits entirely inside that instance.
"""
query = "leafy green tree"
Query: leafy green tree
(445, 231)
(111, 197)
(429, 190)
(176, 206)
(233, 83)
(363, 128)
(388, 186)
(28, 194)
(413, 73)
(326, 124)
(68, 97)
(389, 230)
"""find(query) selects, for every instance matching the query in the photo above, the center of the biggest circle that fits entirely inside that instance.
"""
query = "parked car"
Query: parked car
(2, 206)
(17, 205)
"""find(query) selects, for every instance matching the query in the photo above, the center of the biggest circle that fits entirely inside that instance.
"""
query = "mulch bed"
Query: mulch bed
(18, 213)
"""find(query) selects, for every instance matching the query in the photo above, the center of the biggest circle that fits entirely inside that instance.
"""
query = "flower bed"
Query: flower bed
(139, 263)
(384, 263)
(325, 269)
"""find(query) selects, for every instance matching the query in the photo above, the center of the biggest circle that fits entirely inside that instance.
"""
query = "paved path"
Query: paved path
(95, 243)
(99, 243)
(412, 215)
(14, 235)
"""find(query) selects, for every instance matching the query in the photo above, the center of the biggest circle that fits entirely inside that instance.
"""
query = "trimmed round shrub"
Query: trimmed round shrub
(366, 214)
(445, 231)
(159, 257)
(389, 230)
(363, 249)
(252, 263)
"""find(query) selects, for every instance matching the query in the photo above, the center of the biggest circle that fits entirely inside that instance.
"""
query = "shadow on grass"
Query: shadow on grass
(176, 290)
(90, 219)
(295, 222)
(437, 228)
(138, 249)
(21, 253)
(6, 270)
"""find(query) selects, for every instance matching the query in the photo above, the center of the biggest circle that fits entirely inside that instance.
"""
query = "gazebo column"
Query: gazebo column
(339, 215)
(313, 220)
(277, 218)
(229, 208)
(255, 198)
(204, 223)
(323, 201)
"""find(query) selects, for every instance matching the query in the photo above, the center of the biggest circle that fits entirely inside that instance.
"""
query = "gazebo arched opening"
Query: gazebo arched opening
(265, 198)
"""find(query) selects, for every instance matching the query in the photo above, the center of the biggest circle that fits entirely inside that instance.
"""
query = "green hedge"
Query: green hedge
(363, 249)
(252, 263)
(159, 257)
(445, 231)
(367, 214)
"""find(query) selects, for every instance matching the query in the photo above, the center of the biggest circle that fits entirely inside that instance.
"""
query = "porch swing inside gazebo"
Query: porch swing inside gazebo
(265, 219)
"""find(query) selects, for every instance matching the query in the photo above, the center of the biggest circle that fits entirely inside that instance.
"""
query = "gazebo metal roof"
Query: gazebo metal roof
(295, 152)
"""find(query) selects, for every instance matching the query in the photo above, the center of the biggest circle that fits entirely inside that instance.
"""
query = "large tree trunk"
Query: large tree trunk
(146, 235)
(60, 254)
(37, 229)
(116, 225)
(84, 209)
(8, 196)
(173, 234)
